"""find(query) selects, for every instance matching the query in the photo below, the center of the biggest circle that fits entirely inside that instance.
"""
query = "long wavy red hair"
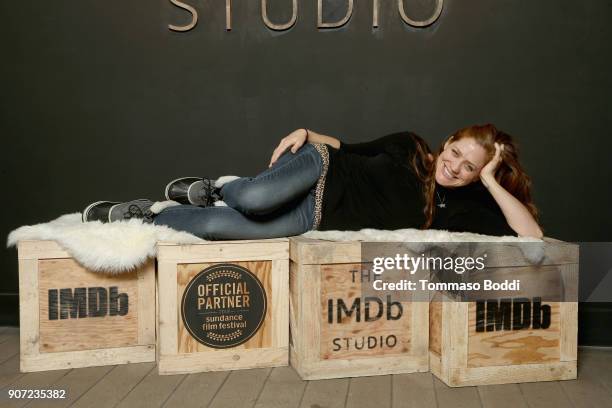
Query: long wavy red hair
(510, 174)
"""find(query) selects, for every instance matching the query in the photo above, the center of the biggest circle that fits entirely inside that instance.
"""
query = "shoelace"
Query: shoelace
(207, 193)
(136, 212)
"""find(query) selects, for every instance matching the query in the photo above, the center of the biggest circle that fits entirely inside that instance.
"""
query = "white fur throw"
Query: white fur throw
(422, 240)
(122, 246)
(411, 235)
(109, 248)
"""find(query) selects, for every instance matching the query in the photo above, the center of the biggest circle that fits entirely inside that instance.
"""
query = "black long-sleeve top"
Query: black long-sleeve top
(469, 208)
(373, 185)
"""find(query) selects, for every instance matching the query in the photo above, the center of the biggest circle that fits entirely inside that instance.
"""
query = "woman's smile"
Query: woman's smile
(460, 163)
(447, 173)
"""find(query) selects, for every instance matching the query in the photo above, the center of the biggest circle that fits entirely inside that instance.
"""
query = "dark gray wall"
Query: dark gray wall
(101, 101)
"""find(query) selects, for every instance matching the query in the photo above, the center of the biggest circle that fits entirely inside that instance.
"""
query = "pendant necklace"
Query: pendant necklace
(442, 203)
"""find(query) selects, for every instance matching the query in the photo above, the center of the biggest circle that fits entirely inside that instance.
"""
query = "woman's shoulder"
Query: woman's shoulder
(405, 143)
(395, 144)
(405, 138)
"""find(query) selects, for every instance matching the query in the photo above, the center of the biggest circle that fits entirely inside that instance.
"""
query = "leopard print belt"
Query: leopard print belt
(322, 149)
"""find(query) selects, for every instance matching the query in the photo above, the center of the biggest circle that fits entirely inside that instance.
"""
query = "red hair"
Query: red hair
(510, 174)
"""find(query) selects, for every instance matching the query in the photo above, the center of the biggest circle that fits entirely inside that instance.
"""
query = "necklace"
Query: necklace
(442, 203)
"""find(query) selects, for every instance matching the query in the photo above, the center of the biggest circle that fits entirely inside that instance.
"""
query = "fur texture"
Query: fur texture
(123, 246)
(421, 240)
(110, 248)
(224, 180)
(160, 206)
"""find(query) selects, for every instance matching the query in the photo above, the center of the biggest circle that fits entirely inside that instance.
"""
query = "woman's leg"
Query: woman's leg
(292, 176)
(221, 223)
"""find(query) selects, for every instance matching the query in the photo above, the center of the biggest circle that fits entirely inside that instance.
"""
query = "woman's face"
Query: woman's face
(460, 163)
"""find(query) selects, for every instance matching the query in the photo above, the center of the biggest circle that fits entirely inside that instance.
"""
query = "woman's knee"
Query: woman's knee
(251, 199)
(190, 219)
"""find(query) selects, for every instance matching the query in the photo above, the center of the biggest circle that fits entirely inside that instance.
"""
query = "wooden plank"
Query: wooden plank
(310, 315)
(40, 250)
(588, 390)
(568, 347)
(316, 252)
(364, 367)
(241, 388)
(504, 254)
(197, 390)
(76, 383)
(598, 360)
(84, 333)
(513, 374)
(8, 332)
(284, 389)
(514, 347)
(280, 303)
(254, 251)
(420, 329)
(146, 303)
(435, 365)
(167, 339)
(232, 242)
(414, 390)
(545, 395)
(502, 396)
(545, 282)
(510, 254)
(435, 327)
(326, 393)
(295, 323)
(151, 391)
(466, 397)
(9, 348)
(28, 308)
(9, 371)
(367, 392)
(88, 358)
(458, 326)
(113, 387)
(222, 360)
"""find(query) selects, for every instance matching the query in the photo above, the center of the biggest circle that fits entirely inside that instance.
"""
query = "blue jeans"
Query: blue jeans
(279, 202)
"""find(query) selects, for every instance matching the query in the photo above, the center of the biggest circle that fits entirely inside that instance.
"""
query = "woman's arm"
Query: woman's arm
(297, 138)
(314, 137)
(517, 215)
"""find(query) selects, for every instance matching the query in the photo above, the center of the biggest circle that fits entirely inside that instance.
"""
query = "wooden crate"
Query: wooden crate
(71, 317)
(320, 272)
(466, 345)
(245, 325)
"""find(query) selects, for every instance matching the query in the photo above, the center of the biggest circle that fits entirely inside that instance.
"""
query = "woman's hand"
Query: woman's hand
(295, 140)
(487, 174)
(517, 215)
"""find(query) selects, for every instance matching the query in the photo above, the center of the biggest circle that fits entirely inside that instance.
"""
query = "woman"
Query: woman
(474, 183)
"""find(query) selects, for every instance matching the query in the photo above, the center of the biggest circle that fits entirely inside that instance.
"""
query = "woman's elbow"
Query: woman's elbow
(535, 232)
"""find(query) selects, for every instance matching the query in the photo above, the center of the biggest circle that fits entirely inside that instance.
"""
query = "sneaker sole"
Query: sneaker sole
(167, 190)
(89, 207)
(199, 183)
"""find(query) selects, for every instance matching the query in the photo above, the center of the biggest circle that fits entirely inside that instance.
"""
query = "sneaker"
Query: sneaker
(110, 211)
(193, 190)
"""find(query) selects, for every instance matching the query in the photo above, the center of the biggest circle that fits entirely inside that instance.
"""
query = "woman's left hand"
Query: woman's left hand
(487, 173)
